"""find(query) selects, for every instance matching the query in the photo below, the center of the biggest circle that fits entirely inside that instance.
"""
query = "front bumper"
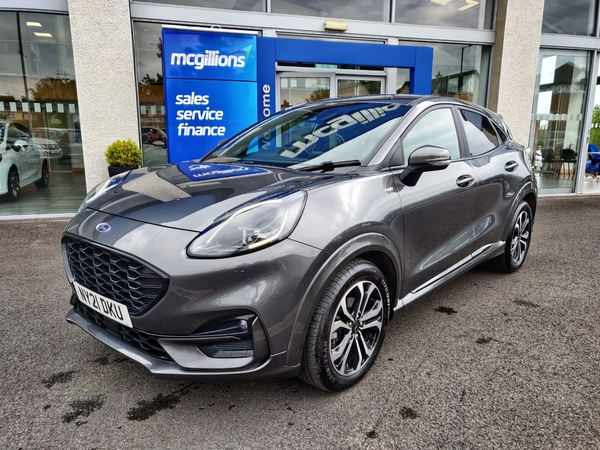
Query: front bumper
(273, 368)
(181, 329)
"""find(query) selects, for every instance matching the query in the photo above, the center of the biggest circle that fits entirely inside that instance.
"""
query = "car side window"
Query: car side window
(435, 128)
(480, 133)
(13, 133)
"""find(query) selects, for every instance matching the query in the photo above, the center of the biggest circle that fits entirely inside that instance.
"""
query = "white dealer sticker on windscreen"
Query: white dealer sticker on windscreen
(111, 309)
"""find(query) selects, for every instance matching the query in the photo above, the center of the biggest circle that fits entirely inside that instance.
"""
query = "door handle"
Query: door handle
(465, 181)
(511, 166)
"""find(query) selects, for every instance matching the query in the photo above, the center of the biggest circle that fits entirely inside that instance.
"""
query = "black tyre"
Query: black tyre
(43, 182)
(347, 328)
(14, 186)
(517, 241)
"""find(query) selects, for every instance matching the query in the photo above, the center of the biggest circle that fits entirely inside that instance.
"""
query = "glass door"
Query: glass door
(591, 178)
(296, 88)
(561, 98)
(350, 86)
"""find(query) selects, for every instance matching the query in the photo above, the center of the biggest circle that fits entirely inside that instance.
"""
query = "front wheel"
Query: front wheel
(347, 328)
(14, 185)
(43, 182)
(517, 241)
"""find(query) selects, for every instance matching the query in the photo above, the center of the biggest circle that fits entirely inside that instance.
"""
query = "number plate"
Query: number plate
(105, 306)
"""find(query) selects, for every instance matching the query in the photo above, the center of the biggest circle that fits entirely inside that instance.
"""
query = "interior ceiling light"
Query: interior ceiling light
(470, 4)
(42, 34)
(34, 24)
(441, 2)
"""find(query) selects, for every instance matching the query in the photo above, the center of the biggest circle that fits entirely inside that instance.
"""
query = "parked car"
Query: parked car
(286, 250)
(67, 142)
(23, 160)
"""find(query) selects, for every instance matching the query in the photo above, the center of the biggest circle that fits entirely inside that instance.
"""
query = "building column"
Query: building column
(105, 74)
(514, 63)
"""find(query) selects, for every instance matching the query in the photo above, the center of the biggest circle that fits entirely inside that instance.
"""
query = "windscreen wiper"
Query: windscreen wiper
(328, 166)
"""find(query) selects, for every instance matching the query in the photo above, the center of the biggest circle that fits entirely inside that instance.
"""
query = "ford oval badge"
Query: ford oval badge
(103, 227)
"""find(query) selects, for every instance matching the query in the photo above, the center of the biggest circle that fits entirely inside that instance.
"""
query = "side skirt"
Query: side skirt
(485, 252)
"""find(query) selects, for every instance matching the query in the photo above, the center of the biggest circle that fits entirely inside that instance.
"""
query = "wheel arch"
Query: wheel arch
(373, 247)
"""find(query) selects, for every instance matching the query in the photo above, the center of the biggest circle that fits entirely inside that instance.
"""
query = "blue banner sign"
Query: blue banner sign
(209, 56)
(202, 113)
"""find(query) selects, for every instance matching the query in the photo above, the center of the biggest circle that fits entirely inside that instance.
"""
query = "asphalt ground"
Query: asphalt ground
(489, 361)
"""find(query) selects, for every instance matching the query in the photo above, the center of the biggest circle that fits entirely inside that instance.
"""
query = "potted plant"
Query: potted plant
(122, 156)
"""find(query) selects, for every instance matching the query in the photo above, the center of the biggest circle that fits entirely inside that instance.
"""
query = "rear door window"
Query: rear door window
(480, 133)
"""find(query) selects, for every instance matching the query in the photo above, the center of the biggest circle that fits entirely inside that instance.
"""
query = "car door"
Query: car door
(17, 152)
(438, 210)
(32, 158)
(500, 169)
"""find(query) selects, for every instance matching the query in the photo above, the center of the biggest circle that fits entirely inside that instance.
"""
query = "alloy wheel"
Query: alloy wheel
(13, 183)
(356, 327)
(520, 238)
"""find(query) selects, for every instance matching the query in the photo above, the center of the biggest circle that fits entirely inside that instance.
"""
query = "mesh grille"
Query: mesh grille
(138, 339)
(115, 276)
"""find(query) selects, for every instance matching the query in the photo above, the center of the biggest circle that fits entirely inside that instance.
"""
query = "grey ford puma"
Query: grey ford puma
(286, 250)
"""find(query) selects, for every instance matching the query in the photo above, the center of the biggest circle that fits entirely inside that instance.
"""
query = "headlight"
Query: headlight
(250, 228)
(101, 188)
(41, 146)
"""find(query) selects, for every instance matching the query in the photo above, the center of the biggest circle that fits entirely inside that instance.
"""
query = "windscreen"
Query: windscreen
(324, 132)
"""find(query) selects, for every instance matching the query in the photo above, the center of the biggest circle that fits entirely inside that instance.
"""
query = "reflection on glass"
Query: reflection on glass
(572, 17)
(237, 5)
(148, 56)
(297, 90)
(435, 128)
(38, 92)
(348, 88)
(459, 71)
(449, 13)
(591, 179)
(558, 118)
(377, 11)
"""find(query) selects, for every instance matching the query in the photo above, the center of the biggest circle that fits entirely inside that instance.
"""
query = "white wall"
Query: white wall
(105, 74)
(514, 63)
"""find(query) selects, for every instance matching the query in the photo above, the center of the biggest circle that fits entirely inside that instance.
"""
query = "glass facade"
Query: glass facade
(475, 14)
(446, 13)
(377, 10)
(459, 71)
(148, 56)
(572, 17)
(38, 93)
(559, 110)
(237, 5)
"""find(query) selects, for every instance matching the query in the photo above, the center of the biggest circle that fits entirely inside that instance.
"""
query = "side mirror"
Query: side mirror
(424, 159)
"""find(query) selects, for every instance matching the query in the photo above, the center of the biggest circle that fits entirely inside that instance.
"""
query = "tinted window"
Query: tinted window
(480, 133)
(311, 135)
(435, 128)
(25, 133)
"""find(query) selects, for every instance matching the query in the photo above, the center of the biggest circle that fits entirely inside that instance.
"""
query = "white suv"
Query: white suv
(23, 160)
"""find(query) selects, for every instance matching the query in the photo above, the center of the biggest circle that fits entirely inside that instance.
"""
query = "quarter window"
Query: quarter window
(437, 129)
(480, 133)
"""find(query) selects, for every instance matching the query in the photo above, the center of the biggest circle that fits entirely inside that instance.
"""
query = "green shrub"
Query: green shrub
(123, 154)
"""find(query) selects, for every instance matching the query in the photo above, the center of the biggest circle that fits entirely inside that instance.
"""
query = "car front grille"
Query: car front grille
(142, 341)
(115, 276)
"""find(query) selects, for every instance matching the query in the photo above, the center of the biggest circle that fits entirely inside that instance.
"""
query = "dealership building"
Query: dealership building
(80, 74)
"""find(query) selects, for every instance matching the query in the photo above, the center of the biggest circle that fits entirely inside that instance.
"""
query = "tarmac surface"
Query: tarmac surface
(490, 361)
